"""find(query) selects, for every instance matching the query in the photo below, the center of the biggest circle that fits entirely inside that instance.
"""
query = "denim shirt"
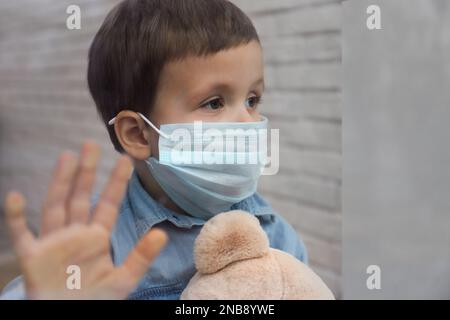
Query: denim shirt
(173, 268)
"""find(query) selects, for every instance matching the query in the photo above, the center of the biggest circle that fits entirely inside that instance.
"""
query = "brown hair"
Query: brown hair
(138, 37)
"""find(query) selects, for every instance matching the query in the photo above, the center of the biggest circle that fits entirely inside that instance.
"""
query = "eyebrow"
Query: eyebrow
(259, 81)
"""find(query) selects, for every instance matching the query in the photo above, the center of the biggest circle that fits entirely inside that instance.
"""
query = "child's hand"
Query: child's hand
(70, 237)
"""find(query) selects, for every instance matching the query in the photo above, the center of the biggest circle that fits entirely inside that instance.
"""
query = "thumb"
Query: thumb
(143, 254)
(21, 236)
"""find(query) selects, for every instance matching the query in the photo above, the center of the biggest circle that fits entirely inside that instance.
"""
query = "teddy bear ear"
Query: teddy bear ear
(229, 237)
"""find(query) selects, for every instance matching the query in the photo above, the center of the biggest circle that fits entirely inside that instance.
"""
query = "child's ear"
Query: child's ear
(132, 133)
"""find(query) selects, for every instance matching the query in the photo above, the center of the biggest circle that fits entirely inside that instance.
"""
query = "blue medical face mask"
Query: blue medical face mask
(206, 167)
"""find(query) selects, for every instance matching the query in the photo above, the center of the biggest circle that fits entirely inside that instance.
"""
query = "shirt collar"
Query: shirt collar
(149, 212)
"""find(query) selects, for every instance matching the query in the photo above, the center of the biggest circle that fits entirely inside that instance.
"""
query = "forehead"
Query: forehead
(238, 66)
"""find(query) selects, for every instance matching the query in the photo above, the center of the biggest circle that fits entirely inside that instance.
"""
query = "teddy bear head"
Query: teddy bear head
(234, 261)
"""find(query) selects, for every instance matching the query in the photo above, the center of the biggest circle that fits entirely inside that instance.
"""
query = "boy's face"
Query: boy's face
(223, 87)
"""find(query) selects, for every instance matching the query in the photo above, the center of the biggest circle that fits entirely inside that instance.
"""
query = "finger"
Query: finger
(79, 200)
(21, 236)
(54, 208)
(106, 210)
(142, 256)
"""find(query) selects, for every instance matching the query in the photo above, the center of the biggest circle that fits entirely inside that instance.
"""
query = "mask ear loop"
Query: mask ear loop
(111, 122)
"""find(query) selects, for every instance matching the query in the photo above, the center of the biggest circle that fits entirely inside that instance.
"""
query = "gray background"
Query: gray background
(396, 130)
(45, 107)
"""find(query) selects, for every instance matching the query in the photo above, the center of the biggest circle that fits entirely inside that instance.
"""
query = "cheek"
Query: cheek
(179, 113)
(256, 115)
(171, 108)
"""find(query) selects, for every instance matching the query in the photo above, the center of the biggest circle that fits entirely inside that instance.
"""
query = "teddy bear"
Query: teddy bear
(234, 261)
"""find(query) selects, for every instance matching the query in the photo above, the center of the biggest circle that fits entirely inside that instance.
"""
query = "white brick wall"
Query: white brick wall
(45, 107)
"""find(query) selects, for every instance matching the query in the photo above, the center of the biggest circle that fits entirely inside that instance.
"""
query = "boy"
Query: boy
(153, 63)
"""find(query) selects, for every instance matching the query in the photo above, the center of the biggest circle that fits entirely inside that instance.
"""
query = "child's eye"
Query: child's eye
(253, 102)
(214, 104)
